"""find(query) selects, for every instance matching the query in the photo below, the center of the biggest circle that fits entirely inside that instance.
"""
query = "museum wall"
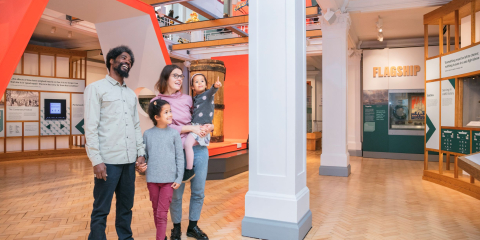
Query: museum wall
(388, 73)
(236, 96)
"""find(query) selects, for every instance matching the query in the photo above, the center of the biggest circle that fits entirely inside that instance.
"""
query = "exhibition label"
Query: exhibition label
(457, 141)
(46, 84)
(461, 62)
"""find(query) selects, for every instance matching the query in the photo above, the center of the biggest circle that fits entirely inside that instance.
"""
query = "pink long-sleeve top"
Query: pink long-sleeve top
(180, 105)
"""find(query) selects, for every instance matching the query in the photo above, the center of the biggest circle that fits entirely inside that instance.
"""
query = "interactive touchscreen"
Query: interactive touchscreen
(55, 109)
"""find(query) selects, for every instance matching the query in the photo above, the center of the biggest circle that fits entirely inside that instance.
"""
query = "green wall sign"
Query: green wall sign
(475, 141)
(457, 141)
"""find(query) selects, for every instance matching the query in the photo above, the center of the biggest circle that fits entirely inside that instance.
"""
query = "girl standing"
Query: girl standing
(164, 155)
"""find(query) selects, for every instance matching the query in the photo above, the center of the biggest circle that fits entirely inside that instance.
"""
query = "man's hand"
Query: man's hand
(208, 127)
(140, 165)
(100, 171)
(218, 84)
(175, 185)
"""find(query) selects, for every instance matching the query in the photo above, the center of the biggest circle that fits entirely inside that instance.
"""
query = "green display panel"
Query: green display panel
(457, 141)
(475, 141)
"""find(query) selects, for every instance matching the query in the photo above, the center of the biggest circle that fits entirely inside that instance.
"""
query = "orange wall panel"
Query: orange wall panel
(236, 96)
(18, 20)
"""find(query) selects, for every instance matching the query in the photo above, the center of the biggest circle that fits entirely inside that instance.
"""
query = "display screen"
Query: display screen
(55, 109)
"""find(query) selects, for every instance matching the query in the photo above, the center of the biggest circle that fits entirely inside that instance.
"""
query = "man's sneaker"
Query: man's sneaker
(188, 175)
(196, 233)
(176, 234)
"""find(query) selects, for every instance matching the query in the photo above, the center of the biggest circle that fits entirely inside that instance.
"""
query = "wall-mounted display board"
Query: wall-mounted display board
(433, 115)
(14, 129)
(55, 114)
(457, 141)
(37, 103)
(475, 141)
(461, 62)
(22, 105)
(448, 102)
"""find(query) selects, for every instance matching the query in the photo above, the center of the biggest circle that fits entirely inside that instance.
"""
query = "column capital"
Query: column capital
(343, 21)
(355, 53)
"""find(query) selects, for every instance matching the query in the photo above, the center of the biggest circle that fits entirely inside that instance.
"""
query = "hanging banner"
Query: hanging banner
(77, 114)
(433, 115)
(465, 61)
(46, 84)
(21, 105)
(448, 103)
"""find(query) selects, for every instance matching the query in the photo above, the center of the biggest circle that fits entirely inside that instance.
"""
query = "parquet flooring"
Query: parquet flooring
(382, 199)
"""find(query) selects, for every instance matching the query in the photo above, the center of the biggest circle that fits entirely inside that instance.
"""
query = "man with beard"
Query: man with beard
(113, 143)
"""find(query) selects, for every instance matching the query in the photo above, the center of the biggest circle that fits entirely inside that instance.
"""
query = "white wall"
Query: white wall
(466, 30)
(95, 72)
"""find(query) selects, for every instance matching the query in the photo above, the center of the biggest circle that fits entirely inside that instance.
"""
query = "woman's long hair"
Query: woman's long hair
(162, 83)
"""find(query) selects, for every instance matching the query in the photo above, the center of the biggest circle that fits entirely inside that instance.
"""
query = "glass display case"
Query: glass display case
(471, 101)
(406, 110)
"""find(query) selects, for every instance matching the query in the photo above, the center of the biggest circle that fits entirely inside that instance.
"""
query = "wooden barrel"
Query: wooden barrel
(213, 69)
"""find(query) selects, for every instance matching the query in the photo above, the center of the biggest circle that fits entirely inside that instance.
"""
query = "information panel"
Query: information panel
(457, 141)
(476, 141)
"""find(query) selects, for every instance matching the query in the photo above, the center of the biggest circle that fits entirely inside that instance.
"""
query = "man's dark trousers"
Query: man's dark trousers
(121, 181)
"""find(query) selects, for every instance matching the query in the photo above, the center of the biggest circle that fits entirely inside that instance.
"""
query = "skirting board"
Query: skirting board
(276, 230)
(335, 171)
(398, 156)
(356, 153)
(42, 154)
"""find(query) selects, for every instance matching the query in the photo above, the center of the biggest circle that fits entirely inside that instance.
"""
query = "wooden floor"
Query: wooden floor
(382, 199)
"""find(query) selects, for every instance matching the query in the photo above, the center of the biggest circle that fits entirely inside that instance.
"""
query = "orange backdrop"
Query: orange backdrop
(236, 96)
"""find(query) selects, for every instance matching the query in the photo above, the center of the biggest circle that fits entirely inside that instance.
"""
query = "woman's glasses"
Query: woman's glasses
(176, 76)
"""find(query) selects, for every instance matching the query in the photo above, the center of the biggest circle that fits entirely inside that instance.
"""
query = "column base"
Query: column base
(271, 229)
(335, 171)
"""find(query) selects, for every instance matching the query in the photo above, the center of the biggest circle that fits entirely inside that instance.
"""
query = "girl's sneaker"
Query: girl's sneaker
(188, 175)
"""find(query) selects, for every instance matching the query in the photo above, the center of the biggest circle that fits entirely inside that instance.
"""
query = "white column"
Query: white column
(277, 202)
(354, 126)
(335, 160)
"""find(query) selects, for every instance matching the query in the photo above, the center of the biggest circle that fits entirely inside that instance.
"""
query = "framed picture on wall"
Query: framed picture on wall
(22, 105)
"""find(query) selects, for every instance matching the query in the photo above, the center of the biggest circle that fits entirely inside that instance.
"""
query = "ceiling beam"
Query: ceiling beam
(214, 43)
(192, 6)
(314, 33)
(391, 5)
(206, 25)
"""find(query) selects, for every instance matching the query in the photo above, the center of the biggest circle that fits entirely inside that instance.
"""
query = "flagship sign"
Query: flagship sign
(396, 71)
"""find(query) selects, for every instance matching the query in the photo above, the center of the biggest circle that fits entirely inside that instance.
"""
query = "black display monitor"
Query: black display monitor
(55, 109)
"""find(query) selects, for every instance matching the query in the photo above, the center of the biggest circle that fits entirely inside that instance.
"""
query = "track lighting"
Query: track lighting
(379, 24)
(54, 29)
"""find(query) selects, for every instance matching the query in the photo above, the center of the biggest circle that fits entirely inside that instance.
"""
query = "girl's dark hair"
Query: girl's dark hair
(199, 74)
(154, 109)
(162, 83)
(115, 52)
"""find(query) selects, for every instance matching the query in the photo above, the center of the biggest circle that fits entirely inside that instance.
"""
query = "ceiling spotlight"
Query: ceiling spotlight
(70, 34)
(54, 29)
(380, 37)
(379, 24)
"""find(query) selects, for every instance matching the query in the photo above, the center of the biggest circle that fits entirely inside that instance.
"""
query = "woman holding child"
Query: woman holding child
(176, 110)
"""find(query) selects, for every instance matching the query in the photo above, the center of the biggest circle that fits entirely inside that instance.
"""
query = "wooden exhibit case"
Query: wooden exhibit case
(451, 92)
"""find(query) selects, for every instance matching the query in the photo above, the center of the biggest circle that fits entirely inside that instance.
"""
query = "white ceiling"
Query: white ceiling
(60, 39)
(398, 24)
